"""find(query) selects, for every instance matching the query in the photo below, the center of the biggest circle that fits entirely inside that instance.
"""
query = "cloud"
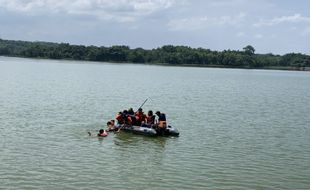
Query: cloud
(306, 32)
(197, 23)
(226, 3)
(240, 34)
(296, 18)
(117, 10)
(258, 36)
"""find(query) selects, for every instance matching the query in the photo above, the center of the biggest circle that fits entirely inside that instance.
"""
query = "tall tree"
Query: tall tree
(249, 50)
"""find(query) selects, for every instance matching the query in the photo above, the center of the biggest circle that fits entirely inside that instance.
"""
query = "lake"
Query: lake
(239, 129)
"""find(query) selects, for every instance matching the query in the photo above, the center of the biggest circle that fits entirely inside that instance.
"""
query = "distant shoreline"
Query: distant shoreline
(167, 55)
(283, 68)
(287, 68)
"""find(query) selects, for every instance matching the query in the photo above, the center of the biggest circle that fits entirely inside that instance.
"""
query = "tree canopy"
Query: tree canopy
(168, 54)
(249, 50)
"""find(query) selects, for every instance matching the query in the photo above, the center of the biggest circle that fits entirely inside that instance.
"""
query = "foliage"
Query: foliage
(168, 54)
(249, 50)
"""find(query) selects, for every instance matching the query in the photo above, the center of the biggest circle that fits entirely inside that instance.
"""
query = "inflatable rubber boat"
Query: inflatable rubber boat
(150, 131)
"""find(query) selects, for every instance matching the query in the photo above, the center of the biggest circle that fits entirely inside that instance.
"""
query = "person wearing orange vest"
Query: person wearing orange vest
(119, 118)
(140, 116)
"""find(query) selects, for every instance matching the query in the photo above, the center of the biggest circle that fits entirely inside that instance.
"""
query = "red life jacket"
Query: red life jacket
(128, 120)
(120, 119)
(140, 116)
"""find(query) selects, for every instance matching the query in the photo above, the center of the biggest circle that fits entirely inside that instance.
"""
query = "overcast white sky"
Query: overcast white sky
(271, 26)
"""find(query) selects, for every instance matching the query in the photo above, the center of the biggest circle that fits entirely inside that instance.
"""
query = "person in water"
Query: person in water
(102, 133)
(110, 126)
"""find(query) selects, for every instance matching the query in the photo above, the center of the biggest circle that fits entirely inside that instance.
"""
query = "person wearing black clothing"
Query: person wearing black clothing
(131, 112)
(161, 123)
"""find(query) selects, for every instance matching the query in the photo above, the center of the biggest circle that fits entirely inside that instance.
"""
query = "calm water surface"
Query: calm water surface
(240, 129)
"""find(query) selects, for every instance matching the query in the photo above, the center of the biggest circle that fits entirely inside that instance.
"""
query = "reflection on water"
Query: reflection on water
(129, 139)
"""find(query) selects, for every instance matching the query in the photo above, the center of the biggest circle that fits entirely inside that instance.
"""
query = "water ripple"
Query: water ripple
(240, 129)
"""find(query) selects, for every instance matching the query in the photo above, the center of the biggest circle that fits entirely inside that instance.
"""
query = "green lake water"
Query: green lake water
(239, 129)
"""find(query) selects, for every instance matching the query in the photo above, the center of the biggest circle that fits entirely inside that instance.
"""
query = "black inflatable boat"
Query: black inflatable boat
(149, 131)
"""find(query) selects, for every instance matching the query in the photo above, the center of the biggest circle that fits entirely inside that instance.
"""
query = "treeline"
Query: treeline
(168, 54)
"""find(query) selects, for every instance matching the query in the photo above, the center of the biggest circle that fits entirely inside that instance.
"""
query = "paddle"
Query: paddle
(143, 103)
(122, 126)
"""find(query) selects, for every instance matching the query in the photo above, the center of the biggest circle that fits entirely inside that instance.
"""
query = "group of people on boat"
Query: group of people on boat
(128, 117)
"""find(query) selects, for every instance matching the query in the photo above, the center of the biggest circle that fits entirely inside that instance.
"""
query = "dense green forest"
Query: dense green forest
(168, 54)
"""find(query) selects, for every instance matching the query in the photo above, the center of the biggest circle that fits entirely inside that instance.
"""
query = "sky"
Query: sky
(270, 26)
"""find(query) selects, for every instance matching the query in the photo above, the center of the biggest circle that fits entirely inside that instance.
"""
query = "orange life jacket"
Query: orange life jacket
(128, 120)
(140, 116)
